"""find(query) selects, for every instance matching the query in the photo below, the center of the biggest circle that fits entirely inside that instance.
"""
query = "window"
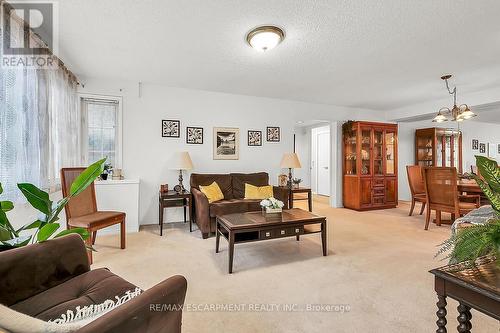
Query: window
(101, 129)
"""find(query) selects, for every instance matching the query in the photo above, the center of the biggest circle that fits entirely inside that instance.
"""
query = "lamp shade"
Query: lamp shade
(290, 160)
(181, 161)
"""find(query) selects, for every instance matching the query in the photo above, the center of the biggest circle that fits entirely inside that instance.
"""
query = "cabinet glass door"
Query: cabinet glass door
(378, 144)
(439, 151)
(350, 153)
(390, 153)
(448, 150)
(365, 151)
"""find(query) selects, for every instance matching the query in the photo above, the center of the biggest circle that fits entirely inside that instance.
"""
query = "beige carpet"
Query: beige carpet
(378, 266)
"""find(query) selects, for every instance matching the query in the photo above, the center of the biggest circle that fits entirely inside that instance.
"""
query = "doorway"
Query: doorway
(320, 160)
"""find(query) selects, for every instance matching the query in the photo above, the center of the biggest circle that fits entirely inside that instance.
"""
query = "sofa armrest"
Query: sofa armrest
(158, 309)
(282, 194)
(32, 269)
(201, 210)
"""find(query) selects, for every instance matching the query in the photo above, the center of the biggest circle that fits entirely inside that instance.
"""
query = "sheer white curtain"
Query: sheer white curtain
(39, 125)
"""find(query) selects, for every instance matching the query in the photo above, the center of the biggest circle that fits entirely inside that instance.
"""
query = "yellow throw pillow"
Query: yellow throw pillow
(258, 192)
(212, 192)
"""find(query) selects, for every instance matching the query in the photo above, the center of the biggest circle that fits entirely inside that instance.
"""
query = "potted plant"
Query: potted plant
(46, 225)
(469, 244)
(272, 205)
(296, 182)
(108, 169)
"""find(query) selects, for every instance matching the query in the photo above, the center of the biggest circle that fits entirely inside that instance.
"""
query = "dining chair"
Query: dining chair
(417, 187)
(442, 194)
(81, 211)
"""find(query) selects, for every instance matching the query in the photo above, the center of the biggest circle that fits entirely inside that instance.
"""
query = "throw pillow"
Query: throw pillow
(213, 192)
(258, 192)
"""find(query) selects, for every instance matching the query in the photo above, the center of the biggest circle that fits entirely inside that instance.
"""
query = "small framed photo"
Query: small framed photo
(255, 138)
(170, 128)
(273, 134)
(482, 148)
(475, 144)
(194, 135)
(499, 149)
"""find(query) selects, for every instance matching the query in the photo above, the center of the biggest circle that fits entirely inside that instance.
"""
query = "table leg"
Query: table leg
(290, 199)
(464, 317)
(190, 215)
(217, 235)
(184, 203)
(441, 314)
(161, 219)
(309, 201)
(231, 251)
(298, 237)
(323, 237)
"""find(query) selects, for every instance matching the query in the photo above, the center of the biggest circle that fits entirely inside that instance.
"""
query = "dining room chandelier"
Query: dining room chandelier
(456, 113)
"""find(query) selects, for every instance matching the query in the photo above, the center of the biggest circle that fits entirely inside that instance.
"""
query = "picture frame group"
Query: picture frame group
(226, 140)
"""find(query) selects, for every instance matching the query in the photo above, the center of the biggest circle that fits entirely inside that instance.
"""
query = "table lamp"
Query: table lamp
(181, 161)
(290, 161)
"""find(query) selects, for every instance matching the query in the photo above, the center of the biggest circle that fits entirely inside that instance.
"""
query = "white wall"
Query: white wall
(484, 132)
(146, 154)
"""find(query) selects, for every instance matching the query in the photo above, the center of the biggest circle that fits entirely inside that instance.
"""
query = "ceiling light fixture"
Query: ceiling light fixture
(265, 37)
(457, 113)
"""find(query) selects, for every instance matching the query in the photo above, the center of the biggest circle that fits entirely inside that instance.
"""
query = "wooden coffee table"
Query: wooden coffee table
(258, 226)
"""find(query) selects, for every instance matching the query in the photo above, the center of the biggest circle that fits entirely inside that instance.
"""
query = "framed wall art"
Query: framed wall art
(482, 148)
(254, 138)
(170, 128)
(475, 144)
(194, 135)
(273, 134)
(226, 143)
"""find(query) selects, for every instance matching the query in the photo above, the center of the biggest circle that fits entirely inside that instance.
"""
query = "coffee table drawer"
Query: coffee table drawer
(286, 232)
(266, 234)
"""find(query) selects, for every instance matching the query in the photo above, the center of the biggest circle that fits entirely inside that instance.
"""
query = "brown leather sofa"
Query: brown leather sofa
(44, 280)
(232, 186)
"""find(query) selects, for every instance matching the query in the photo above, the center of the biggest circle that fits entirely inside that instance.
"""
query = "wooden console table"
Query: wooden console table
(174, 199)
(477, 288)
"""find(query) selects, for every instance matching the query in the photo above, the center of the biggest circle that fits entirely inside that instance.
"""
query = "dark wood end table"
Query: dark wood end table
(477, 288)
(174, 199)
(291, 198)
(257, 226)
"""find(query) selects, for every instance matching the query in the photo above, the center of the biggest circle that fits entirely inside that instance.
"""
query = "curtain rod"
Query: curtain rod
(9, 7)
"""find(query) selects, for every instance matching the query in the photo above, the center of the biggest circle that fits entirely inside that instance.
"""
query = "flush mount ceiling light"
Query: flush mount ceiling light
(457, 113)
(265, 37)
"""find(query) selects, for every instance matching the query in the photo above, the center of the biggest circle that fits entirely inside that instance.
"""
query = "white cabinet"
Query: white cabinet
(122, 196)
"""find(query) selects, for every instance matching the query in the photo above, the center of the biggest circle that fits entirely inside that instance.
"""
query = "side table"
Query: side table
(174, 199)
(293, 191)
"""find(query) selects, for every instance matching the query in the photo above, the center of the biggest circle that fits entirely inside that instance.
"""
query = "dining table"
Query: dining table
(469, 186)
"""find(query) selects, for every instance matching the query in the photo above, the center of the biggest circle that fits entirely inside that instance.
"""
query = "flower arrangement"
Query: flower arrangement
(272, 205)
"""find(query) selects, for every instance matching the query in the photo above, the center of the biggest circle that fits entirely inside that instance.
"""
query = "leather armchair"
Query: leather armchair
(37, 279)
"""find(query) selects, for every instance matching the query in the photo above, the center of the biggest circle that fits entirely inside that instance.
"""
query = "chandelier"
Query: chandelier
(457, 113)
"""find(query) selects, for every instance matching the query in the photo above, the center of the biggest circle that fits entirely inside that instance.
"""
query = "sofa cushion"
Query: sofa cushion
(92, 287)
(233, 206)
(212, 192)
(223, 180)
(239, 180)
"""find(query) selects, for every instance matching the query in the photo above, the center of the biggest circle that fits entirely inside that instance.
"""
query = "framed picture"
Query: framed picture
(475, 144)
(255, 138)
(282, 180)
(492, 152)
(273, 134)
(499, 149)
(194, 135)
(482, 148)
(170, 128)
(226, 143)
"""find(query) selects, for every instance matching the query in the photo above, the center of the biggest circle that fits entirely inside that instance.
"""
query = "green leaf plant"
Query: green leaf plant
(470, 243)
(46, 226)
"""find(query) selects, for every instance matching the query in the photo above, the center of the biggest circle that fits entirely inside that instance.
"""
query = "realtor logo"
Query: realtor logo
(29, 34)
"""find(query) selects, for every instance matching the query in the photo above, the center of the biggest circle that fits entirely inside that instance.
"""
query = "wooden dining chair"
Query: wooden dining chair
(442, 194)
(417, 187)
(81, 211)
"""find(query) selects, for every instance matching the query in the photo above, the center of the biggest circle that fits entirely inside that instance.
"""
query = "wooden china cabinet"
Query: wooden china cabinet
(438, 147)
(370, 166)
